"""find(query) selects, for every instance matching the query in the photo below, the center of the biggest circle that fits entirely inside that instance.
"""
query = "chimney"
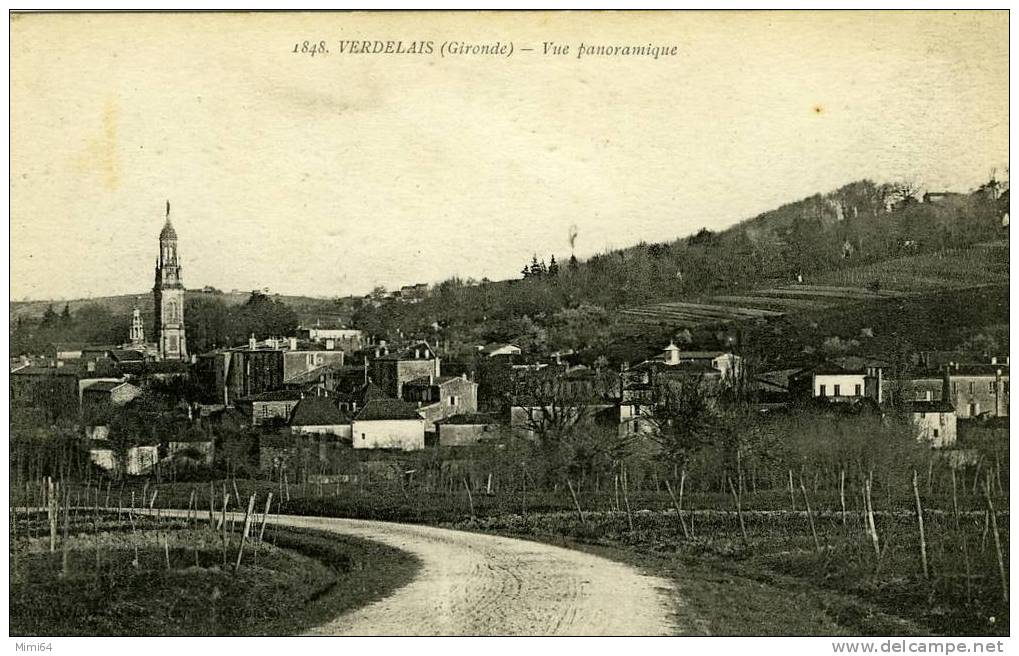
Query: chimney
(927, 395)
(251, 342)
(293, 343)
(91, 365)
(330, 344)
(994, 359)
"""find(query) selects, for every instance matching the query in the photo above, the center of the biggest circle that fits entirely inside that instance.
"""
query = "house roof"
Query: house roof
(385, 408)
(425, 381)
(312, 375)
(127, 355)
(318, 411)
(989, 370)
(488, 349)
(857, 363)
(104, 386)
(930, 406)
(469, 419)
(679, 369)
(32, 370)
(275, 395)
(408, 353)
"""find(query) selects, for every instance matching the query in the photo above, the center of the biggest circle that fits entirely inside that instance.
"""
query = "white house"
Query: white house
(388, 424)
(935, 422)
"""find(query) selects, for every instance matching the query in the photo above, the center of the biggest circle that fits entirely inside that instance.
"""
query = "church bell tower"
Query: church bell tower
(168, 294)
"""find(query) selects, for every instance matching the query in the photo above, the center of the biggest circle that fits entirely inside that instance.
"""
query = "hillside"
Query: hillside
(309, 309)
(862, 243)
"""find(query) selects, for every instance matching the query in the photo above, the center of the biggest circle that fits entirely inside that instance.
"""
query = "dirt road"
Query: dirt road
(473, 584)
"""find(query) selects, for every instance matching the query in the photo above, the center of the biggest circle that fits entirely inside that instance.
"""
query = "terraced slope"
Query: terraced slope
(985, 264)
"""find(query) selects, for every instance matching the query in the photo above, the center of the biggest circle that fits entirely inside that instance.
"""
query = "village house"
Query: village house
(54, 389)
(935, 422)
(386, 423)
(113, 393)
(978, 390)
(319, 415)
(392, 370)
(269, 407)
(341, 339)
(845, 380)
(229, 374)
(440, 397)
(300, 358)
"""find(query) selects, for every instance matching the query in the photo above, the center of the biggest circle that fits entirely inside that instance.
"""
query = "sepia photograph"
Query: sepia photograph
(509, 323)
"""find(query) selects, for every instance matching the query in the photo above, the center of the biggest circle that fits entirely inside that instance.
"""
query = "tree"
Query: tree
(553, 267)
(536, 268)
(49, 317)
(684, 419)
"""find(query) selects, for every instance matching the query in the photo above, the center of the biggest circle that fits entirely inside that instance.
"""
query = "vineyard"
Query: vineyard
(901, 277)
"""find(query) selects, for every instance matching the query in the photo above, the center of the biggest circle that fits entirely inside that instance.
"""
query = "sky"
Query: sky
(329, 175)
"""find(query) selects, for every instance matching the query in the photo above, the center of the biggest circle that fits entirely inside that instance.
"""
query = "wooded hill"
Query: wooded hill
(842, 237)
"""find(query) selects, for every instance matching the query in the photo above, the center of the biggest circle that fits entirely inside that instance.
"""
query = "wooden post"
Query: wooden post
(739, 510)
(615, 482)
(965, 542)
(488, 489)
(265, 515)
(51, 497)
(626, 500)
(166, 550)
(191, 505)
(212, 504)
(997, 541)
(919, 520)
(810, 517)
(871, 527)
(286, 485)
(523, 500)
(842, 494)
(470, 498)
(244, 532)
(792, 496)
(679, 510)
(65, 565)
(237, 495)
(580, 512)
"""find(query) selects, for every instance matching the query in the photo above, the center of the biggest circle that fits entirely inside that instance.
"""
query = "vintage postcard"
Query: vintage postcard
(469, 323)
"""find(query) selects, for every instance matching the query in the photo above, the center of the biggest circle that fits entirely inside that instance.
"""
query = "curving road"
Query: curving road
(474, 584)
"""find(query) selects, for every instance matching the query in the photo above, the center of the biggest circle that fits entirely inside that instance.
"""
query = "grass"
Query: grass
(117, 583)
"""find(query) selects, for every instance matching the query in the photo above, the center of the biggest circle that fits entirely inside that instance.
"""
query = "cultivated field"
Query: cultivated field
(122, 574)
(985, 264)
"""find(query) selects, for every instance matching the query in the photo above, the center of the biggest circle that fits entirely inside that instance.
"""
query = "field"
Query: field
(145, 577)
(981, 265)
(762, 542)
